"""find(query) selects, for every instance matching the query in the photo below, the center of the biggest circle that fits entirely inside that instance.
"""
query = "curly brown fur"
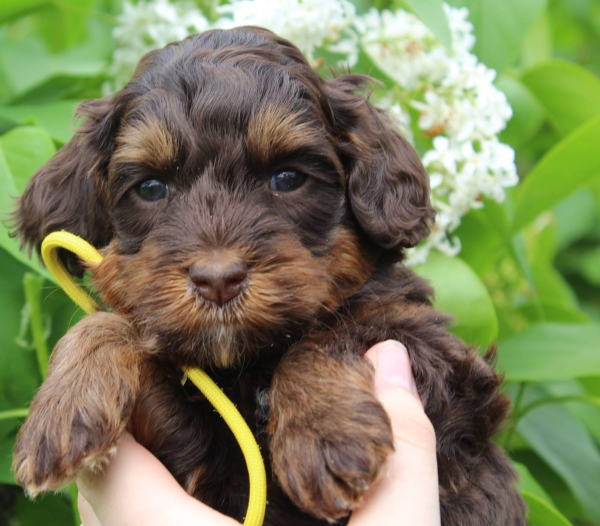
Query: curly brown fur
(215, 117)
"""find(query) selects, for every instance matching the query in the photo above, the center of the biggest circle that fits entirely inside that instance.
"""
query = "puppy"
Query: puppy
(252, 216)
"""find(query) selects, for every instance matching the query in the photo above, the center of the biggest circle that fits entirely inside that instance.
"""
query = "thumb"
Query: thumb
(408, 493)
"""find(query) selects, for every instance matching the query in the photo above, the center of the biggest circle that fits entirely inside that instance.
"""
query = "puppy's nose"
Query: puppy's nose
(218, 279)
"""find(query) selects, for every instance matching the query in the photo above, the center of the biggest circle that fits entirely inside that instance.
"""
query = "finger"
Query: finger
(135, 488)
(409, 491)
(86, 513)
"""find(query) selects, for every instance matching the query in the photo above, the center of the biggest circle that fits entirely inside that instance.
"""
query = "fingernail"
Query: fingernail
(393, 365)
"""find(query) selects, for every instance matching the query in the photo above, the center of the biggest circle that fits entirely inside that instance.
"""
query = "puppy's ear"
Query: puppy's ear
(387, 186)
(65, 194)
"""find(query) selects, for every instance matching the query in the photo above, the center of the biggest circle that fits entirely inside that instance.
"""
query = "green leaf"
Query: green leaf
(569, 93)
(6, 447)
(528, 115)
(484, 234)
(433, 15)
(49, 510)
(537, 45)
(27, 64)
(55, 118)
(500, 27)
(565, 445)
(528, 483)
(461, 293)
(575, 217)
(19, 375)
(569, 166)
(26, 149)
(588, 410)
(8, 191)
(15, 8)
(541, 513)
(66, 24)
(553, 292)
(587, 262)
(551, 351)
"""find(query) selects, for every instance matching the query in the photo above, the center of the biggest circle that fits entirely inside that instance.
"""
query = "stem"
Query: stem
(73, 494)
(556, 400)
(33, 296)
(518, 252)
(513, 421)
(13, 413)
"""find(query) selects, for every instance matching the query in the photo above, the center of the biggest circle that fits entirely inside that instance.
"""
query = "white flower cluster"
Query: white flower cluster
(456, 111)
(148, 25)
(309, 24)
(459, 113)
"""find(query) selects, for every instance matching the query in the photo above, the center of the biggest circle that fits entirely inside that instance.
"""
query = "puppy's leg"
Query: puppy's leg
(330, 437)
(83, 406)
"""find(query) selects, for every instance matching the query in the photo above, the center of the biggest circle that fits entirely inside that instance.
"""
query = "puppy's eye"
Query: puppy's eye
(287, 181)
(153, 190)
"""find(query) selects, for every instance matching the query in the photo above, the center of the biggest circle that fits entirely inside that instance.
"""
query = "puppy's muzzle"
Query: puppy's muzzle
(218, 277)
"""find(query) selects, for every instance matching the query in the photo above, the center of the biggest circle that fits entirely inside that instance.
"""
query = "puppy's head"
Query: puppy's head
(237, 194)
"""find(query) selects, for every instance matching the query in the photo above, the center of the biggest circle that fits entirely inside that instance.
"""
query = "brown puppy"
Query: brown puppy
(253, 217)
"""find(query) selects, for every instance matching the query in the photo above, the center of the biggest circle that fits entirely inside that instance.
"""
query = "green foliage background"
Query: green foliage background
(528, 276)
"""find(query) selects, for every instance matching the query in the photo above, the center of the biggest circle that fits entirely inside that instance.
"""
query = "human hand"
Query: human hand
(408, 493)
(135, 488)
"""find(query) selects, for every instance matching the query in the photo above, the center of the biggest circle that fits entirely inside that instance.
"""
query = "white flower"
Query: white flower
(148, 25)
(309, 24)
(459, 108)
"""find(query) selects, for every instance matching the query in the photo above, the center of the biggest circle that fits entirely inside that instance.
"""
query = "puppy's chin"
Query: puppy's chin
(220, 347)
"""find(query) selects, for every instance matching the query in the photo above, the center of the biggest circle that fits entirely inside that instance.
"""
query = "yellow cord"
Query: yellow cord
(254, 462)
(256, 469)
(81, 248)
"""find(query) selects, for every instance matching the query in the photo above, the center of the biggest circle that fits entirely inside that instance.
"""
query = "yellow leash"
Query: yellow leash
(256, 469)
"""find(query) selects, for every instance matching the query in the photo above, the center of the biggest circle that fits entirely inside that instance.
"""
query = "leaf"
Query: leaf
(19, 375)
(15, 8)
(569, 166)
(433, 15)
(575, 217)
(588, 410)
(565, 445)
(537, 45)
(8, 191)
(27, 63)
(55, 118)
(569, 93)
(484, 234)
(6, 447)
(49, 510)
(527, 483)
(66, 24)
(588, 264)
(551, 288)
(551, 351)
(500, 27)
(541, 513)
(461, 293)
(26, 149)
(528, 115)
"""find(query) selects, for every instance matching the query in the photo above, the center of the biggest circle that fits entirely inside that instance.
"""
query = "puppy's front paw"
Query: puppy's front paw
(51, 449)
(83, 406)
(326, 470)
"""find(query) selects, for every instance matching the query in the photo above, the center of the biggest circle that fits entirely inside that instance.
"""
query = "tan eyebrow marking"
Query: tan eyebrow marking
(274, 131)
(147, 142)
